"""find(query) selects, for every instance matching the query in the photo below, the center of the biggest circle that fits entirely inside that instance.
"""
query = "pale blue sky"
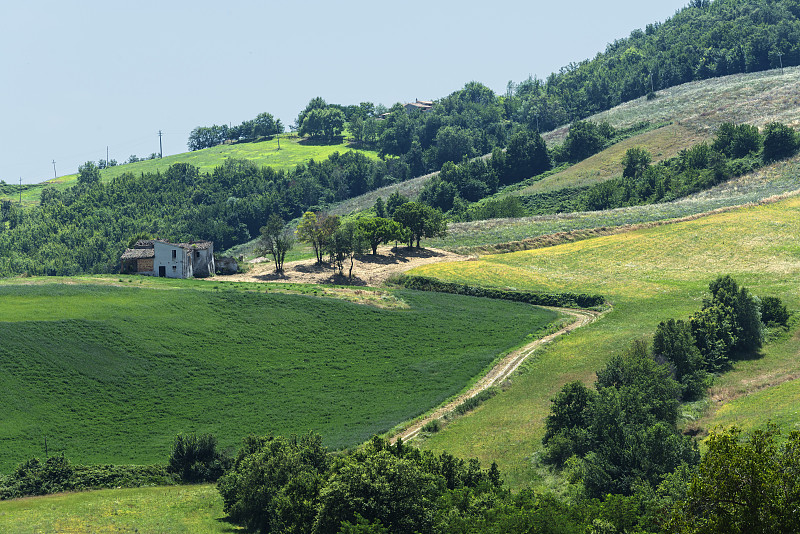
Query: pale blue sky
(79, 76)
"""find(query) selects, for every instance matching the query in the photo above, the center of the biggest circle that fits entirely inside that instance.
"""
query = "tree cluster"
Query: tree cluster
(84, 229)
(264, 125)
(735, 150)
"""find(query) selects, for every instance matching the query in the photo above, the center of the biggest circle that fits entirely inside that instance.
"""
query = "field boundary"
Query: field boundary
(500, 372)
(560, 238)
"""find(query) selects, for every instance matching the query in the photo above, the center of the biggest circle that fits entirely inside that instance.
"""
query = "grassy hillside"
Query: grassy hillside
(111, 372)
(189, 509)
(265, 153)
(649, 275)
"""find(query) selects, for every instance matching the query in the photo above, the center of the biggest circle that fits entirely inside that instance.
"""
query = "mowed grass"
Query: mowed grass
(111, 374)
(780, 178)
(662, 143)
(648, 275)
(293, 151)
(189, 509)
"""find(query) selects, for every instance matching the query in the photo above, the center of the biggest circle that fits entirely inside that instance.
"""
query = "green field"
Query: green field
(265, 153)
(648, 275)
(190, 509)
(111, 373)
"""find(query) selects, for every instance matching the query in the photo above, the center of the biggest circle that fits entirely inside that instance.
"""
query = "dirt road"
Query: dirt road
(368, 269)
(499, 372)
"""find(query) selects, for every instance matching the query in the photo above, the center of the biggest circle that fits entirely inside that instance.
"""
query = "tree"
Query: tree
(276, 240)
(737, 141)
(780, 141)
(345, 243)
(316, 229)
(377, 230)
(526, 156)
(743, 484)
(635, 162)
(422, 220)
(196, 459)
(88, 174)
(395, 200)
(275, 482)
(673, 342)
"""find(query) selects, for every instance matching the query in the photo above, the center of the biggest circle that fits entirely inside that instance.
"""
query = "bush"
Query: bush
(780, 141)
(774, 312)
(196, 459)
(432, 426)
(33, 477)
(564, 300)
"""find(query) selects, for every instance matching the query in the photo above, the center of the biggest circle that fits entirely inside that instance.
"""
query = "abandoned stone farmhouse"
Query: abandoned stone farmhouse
(156, 257)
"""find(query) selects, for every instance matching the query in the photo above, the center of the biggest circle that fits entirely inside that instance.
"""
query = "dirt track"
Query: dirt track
(499, 372)
(368, 269)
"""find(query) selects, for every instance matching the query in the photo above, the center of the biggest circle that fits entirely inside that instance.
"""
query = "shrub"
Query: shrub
(196, 459)
(774, 312)
(432, 426)
(32, 477)
(780, 141)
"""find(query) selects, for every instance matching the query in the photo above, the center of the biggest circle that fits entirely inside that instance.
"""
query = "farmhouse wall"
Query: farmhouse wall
(174, 260)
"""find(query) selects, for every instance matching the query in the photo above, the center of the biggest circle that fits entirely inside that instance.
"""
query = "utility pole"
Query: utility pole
(278, 135)
(54, 169)
(780, 59)
(20, 190)
(107, 156)
(160, 147)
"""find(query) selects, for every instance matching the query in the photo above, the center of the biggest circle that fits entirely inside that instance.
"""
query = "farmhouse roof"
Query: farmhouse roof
(138, 253)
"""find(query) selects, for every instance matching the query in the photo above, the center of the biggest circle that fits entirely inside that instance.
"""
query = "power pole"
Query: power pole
(54, 169)
(107, 157)
(278, 135)
(160, 147)
(20, 190)
(780, 59)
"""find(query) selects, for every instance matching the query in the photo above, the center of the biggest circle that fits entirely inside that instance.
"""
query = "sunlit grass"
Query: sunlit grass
(189, 509)
(648, 275)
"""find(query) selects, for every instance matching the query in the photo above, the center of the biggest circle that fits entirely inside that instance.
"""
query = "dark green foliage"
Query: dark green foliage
(526, 156)
(274, 484)
(567, 426)
(774, 312)
(743, 485)
(276, 240)
(207, 136)
(566, 300)
(421, 220)
(780, 141)
(88, 174)
(34, 477)
(432, 426)
(624, 434)
(635, 162)
(737, 141)
(280, 485)
(585, 139)
(673, 342)
(196, 459)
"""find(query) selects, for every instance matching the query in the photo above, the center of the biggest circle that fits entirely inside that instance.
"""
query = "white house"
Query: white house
(157, 257)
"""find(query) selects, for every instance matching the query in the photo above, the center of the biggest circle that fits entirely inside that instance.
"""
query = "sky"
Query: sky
(80, 77)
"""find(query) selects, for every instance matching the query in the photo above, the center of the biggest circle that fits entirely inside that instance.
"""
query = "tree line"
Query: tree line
(85, 228)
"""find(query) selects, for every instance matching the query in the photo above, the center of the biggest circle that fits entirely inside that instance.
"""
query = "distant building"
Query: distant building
(156, 257)
(420, 105)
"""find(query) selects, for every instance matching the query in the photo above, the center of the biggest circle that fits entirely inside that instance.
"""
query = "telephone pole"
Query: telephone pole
(54, 169)
(20, 190)
(160, 147)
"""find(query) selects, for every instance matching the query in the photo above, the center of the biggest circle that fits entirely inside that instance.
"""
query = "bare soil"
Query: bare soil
(368, 269)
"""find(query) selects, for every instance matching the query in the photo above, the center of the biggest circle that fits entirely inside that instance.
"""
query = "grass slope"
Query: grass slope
(189, 509)
(265, 153)
(111, 374)
(649, 275)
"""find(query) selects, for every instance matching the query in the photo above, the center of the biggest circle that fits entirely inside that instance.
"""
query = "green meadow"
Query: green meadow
(189, 509)
(293, 151)
(110, 369)
(648, 276)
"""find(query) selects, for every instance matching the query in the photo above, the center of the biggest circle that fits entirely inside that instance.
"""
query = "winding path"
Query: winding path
(499, 372)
